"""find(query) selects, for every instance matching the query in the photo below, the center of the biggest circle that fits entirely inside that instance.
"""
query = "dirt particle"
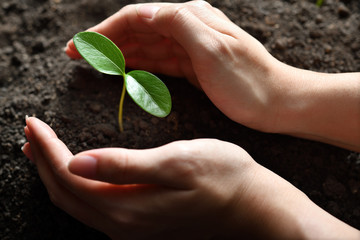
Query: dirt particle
(106, 129)
(315, 33)
(281, 44)
(354, 186)
(343, 11)
(143, 124)
(16, 61)
(95, 107)
(334, 188)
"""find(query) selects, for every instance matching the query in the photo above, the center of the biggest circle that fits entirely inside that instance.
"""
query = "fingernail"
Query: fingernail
(147, 11)
(67, 45)
(27, 151)
(39, 128)
(83, 165)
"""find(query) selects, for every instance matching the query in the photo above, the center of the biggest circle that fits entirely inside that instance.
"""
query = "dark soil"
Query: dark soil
(37, 78)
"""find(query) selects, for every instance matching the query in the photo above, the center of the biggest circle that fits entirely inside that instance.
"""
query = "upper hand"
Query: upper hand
(197, 41)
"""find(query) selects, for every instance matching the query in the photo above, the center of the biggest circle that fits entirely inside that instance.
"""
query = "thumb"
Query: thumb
(158, 166)
(71, 50)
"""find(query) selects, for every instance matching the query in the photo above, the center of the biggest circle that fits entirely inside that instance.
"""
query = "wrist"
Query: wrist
(314, 105)
(267, 209)
(272, 208)
(275, 87)
(288, 99)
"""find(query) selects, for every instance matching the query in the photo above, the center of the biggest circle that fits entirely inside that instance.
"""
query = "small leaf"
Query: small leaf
(100, 52)
(149, 92)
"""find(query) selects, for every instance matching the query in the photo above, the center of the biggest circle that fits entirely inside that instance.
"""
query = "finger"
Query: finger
(77, 196)
(185, 27)
(41, 135)
(103, 207)
(144, 47)
(160, 50)
(48, 150)
(130, 27)
(61, 196)
(192, 24)
(119, 27)
(79, 208)
(174, 67)
(52, 156)
(170, 165)
(27, 151)
(210, 15)
(71, 50)
(37, 134)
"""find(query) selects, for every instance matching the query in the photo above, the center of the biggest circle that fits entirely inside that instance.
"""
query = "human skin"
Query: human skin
(199, 189)
(236, 72)
(203, 188)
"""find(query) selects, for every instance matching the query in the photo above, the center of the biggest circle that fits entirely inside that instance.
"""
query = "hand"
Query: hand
(188, 189)
(169, 192)
(197, 41)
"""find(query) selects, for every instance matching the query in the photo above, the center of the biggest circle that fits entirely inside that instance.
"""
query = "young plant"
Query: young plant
(319, 3)
(147, 90)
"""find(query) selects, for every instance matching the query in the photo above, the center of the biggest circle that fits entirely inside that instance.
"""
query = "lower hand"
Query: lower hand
(196, 189)
(185, 188)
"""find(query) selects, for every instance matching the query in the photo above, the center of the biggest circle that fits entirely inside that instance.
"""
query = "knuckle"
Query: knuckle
(58, 167)
(180, 14)
(122, 164)
(219, 47)
(128, 220)
(128, 7)
(116, 167)
(188, 163)
(200, 3)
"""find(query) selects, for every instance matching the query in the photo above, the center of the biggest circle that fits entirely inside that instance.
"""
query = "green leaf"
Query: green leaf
(149, 92)
(100, 52)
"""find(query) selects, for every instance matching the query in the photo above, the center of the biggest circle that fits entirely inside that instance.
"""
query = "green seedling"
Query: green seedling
(147, 90)
(319, 3)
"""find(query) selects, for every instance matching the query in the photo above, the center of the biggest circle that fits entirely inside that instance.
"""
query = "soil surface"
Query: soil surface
(37, 78)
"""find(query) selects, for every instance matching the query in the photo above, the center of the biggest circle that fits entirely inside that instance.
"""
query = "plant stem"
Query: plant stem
(120, 118)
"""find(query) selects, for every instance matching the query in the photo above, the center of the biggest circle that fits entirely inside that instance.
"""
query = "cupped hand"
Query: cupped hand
(199, 189)
(186, 188)
(197, 41)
